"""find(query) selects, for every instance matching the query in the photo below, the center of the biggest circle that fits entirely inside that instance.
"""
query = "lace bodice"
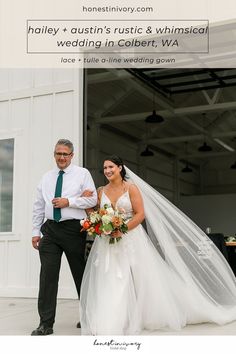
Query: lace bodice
(123, 202)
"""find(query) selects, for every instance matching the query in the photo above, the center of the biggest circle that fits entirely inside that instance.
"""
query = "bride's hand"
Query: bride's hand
(87, 193)
(116, 234)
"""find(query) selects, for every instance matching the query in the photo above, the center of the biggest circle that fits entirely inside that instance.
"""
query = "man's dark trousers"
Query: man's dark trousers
(58, 237)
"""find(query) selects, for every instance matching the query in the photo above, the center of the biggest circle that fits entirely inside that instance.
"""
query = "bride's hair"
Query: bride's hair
(117, 161)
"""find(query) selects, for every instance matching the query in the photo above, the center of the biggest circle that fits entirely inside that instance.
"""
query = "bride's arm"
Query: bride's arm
(88, 193)
(137, 205)
(138, 210)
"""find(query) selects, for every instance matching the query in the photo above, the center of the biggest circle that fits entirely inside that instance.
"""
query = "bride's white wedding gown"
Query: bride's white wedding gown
(128, 287)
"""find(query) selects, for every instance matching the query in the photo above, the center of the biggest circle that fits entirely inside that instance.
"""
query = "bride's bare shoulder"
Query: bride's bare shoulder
(99, 191)
(131, 187)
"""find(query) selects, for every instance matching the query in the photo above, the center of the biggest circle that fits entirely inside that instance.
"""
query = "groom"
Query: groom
(62, 197)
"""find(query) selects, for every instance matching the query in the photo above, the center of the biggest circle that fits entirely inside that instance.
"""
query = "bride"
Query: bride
(167, 277)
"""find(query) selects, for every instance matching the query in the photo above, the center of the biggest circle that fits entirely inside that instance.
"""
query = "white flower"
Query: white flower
(106, 219)
(110, 211)
(94, 217)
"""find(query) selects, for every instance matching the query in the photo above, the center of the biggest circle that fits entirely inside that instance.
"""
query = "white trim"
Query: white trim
(35, 91)
(8, 236)
(79, 111)
(32, 292)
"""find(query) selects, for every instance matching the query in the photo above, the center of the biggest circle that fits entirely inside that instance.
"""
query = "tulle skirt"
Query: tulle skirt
(128, 287)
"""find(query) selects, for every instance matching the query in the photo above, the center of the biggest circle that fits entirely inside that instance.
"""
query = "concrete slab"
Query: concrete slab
(18, 316)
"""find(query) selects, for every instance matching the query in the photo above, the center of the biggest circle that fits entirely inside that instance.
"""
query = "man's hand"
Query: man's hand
(35, 242)
(60, 202)
(87, 193)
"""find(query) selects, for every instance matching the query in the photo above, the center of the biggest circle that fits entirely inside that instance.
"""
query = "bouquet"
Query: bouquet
(105, 221)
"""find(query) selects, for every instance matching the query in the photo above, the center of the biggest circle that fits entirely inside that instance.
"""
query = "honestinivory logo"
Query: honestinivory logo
(116, 344)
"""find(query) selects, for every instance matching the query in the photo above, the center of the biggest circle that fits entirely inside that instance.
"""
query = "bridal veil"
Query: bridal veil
(189, 253)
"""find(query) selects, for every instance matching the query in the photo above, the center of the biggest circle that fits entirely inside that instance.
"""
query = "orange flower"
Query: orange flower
(86, 224)
(102, 212)
(116, 221)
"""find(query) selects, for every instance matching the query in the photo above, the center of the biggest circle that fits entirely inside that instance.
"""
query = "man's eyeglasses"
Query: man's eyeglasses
(62, 154)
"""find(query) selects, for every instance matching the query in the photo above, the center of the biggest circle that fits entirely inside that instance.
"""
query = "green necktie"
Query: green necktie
(57, 211)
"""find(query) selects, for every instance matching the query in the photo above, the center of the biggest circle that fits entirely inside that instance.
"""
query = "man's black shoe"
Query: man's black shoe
(42, 331)
(78, 325)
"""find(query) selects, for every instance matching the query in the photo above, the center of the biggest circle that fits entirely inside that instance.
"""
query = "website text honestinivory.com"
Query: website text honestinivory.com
(127, 9)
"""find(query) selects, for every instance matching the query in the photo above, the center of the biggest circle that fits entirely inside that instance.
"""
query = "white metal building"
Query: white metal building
(37, 107)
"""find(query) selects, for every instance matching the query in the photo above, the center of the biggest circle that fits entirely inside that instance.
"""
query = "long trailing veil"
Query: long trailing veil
(189, 253)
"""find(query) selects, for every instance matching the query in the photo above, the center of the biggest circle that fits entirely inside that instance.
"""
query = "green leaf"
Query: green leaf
(107, 227)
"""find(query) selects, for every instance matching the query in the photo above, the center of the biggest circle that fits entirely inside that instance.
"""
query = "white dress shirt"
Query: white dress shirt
(75, 180)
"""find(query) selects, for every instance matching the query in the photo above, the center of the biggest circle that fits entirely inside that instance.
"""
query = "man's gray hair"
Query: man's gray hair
(66, 142)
